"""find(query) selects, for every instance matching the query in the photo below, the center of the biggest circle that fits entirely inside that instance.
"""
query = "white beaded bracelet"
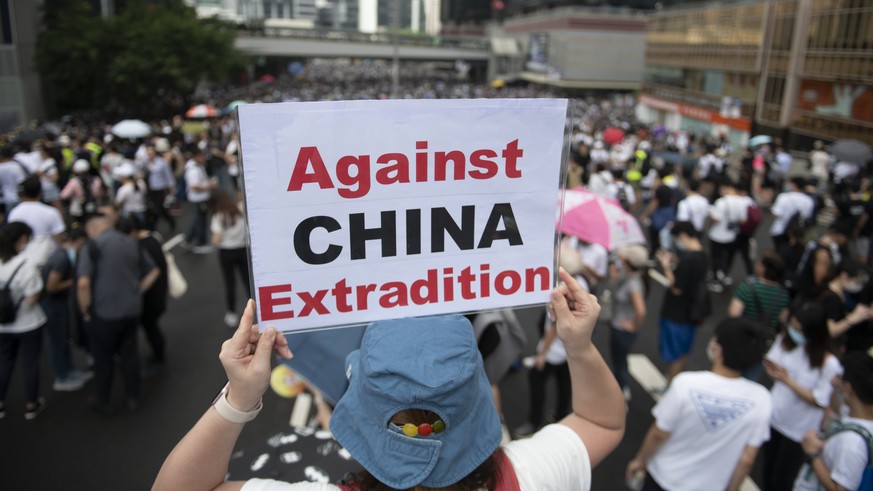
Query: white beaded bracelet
(232, 414)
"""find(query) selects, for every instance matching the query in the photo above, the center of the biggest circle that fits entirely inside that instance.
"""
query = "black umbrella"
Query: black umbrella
(851, 151)
(29, 136)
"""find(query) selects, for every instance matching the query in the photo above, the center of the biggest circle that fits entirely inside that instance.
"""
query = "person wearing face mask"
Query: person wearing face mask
(801, 366)
(58, 275)
(839, 457)
(710, 424)
(842, 302)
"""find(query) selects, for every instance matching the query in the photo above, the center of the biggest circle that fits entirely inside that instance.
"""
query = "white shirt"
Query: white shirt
(594, 256)
(844, 170)
(130, 198)
(31, 160)
(599, 182)
(233, 237)
(727, 213)
(711, 419)
(554, 459)
(11, 176)
(709, 163)
(694, 208)
(844, 454)
(195, 175)
(792, 416)
(785, 206)
(43, 220)
(27, 282)
(820, 161)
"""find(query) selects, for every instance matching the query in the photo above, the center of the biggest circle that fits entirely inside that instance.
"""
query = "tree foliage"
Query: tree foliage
(148, 55)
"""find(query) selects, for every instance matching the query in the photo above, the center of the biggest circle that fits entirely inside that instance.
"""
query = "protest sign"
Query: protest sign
(367, 210)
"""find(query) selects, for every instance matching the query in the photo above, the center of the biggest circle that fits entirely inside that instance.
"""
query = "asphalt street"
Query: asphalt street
(68, 446)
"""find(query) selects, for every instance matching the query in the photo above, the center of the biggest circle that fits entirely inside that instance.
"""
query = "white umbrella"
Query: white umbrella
(131, 128)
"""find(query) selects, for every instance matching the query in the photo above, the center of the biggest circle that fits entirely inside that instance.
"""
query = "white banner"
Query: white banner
(367, 210)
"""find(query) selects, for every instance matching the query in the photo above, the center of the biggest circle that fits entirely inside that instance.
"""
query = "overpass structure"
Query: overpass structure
(346, 44)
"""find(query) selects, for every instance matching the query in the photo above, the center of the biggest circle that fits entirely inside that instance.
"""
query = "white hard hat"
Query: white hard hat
(80, 166)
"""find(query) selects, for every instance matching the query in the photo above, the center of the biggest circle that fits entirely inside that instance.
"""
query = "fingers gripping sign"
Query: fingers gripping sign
(246, 360)
(575, 312)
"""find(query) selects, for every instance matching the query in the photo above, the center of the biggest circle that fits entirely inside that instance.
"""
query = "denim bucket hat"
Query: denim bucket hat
(429, 363)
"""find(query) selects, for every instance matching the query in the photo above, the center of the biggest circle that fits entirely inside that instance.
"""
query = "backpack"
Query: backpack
(621, 196)
(754, 215)
(867, 478)
(8, 306)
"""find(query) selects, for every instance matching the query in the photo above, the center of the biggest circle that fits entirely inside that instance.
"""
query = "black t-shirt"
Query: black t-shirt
(155, 298)
(665, 195)
(58, 261)
(690, 274)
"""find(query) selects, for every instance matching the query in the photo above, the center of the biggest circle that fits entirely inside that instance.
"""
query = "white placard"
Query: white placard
(367, 210)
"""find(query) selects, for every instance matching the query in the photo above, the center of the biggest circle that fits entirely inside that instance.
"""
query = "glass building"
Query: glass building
(798, 69)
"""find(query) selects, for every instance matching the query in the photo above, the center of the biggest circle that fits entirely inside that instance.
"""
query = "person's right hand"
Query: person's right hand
(575, 312)
(246, 360)
(633, 467)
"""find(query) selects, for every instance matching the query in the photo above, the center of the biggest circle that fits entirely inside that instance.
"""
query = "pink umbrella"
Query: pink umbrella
(598, 220)
(202, 111)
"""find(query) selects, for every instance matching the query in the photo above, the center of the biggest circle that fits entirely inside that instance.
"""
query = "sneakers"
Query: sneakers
(230, 319)
(714, 287)
(203, 249)
(70, 384)
(33, 413)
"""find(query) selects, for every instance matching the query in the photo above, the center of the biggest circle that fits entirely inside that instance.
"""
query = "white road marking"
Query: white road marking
(653, 381)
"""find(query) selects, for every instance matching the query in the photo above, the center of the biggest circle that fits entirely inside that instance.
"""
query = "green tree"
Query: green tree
(150, 54)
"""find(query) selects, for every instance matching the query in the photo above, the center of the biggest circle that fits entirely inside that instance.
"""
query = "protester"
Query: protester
(161, 185)
(11, 175)
(787, 205)
(841, 460)
(59, 277)
(199, 187)
(44, 221)
(801, 366)
(763, 299)
(391, 374)
(628, 308)
(154, 299)
(726, 214)
(685, 271)
(113, 272)
(694, 207)
(131, 197)
(22, 331)
(228, 229)
(83, 191)
(710, 424)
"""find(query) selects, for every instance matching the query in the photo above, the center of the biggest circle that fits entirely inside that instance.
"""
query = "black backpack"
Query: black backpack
(8, 306)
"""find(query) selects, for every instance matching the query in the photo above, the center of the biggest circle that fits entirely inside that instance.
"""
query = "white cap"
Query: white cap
(64, 140)
(126, 169)
(80, 166)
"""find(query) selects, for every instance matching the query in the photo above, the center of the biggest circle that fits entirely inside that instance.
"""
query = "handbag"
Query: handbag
(176, 283)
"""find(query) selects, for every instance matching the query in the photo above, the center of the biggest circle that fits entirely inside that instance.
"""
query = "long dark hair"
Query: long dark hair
(486, 476)
(10, 234)
(223, 204)
(813, 318)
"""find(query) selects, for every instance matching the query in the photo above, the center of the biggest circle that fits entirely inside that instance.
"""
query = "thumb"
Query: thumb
(265, 348)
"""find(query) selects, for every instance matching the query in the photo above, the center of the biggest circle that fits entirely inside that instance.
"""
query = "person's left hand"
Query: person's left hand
(811, 443)
(775, 371)
(246, 360)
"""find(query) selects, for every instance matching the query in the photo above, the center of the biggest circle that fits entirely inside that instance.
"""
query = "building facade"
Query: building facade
(797, 69)
(20, 88)
(572, 47)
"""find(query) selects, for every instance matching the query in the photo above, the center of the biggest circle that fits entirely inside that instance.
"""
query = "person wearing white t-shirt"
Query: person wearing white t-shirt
(595, 262)
(694, 207)
(131, 196)
(22, 336)
(198, 187)
(820, 163)
(11, 175)
(709, 425)
(788, 204)
(839, 462)
(802, 370)
(228, 228)
(45, 222)
(726, 214)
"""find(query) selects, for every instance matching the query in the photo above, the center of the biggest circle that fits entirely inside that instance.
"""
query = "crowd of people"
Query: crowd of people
(81, 257)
